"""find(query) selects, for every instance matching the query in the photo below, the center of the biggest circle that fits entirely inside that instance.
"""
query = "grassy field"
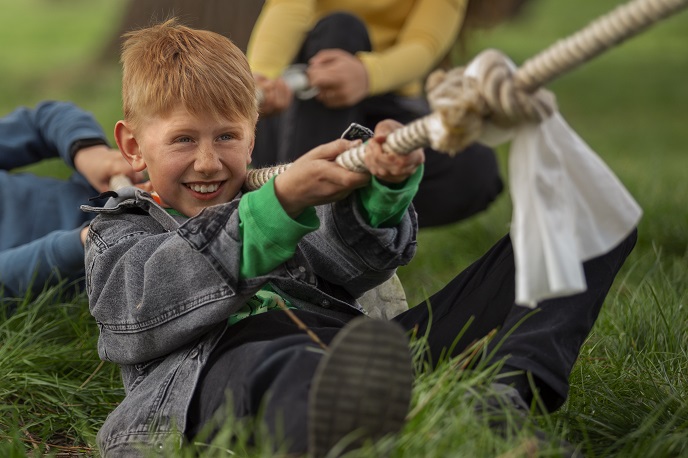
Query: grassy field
(629, 389)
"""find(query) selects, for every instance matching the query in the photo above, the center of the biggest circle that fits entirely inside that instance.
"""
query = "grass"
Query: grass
(629, 388)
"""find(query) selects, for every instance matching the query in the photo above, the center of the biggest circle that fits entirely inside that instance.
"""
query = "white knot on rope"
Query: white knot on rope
(465, 100)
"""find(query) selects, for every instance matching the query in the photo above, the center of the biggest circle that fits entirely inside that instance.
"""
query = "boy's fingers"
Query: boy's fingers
(330, 151)
(386, 127)
(390, 166)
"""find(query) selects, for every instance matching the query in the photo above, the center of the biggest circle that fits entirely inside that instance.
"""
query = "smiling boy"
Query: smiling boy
(186, 284)
(183, 282)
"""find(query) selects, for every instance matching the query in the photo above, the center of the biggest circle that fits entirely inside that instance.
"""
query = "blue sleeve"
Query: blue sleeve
(47, 131)
(45, 261)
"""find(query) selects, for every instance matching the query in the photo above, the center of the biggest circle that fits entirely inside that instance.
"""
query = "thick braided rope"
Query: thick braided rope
(255, 178)
(605, 32)
(503, 95)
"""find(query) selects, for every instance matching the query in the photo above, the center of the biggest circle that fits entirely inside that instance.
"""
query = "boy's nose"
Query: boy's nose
(207, 161)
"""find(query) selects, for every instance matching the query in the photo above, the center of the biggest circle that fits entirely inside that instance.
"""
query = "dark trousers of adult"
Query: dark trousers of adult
(452, 189)
(267, 363)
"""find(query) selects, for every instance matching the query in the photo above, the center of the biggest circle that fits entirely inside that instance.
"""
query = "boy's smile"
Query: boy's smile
(205, 191)
(193, 161)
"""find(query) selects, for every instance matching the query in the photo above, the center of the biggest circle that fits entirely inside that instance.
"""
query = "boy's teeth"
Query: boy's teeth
(202, 188)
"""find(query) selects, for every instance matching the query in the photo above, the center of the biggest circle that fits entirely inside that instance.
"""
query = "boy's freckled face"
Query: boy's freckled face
(195, 162)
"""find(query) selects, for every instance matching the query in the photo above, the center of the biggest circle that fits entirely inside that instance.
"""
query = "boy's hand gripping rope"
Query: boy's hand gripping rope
(500, 94)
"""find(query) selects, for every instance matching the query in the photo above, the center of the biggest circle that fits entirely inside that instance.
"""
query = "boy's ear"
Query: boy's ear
(250, 151)
(129, 146)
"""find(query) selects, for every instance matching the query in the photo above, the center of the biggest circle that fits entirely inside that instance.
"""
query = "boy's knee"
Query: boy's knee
(289, 360)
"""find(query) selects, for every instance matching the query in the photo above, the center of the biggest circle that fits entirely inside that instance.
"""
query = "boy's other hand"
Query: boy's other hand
(98, 164)
(390, 167)
(315, 179)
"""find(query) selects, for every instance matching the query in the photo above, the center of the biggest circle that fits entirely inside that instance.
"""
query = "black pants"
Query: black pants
(269, 354)
(453, 188)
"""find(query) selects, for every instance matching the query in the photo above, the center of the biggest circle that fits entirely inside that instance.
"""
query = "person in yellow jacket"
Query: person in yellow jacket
(366, 61)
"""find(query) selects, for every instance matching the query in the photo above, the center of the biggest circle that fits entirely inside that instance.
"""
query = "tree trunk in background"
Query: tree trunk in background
(231, 18)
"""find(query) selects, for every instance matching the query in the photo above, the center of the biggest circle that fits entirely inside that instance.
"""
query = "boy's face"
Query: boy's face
(193, 162)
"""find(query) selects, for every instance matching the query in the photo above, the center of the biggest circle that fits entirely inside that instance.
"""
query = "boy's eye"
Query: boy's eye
(183, 140)
(225, 137)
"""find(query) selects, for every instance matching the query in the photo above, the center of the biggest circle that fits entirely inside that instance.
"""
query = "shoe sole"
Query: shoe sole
(362, 387)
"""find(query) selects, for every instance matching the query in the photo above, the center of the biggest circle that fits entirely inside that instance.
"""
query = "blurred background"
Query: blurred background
(630, 104)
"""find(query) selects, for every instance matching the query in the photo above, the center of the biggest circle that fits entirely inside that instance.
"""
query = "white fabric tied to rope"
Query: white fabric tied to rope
(568, 206)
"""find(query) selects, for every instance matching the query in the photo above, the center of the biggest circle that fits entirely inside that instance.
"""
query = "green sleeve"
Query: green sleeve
(385, 205)
(269, 235)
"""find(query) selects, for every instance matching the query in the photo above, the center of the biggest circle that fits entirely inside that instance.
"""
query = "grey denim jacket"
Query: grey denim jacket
(161, 289)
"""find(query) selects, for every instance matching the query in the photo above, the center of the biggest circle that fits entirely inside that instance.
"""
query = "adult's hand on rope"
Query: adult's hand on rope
(276, 95)
(315, 179)
(340, 76)
(98, 164)
(389, 167)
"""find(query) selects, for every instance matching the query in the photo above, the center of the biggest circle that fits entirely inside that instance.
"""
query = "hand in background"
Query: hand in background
(340, 76)
(275, 95)
(98, 164)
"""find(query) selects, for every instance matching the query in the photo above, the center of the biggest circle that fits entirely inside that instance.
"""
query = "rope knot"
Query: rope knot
(509, 102)
(486, 90)
(458, 109)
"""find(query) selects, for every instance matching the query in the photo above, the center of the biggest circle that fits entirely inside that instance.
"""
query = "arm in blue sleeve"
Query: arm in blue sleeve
(50, 130)
(269, 236)
(45, 261)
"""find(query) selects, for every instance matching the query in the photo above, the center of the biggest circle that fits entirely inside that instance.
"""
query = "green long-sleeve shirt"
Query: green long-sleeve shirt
(270, 236)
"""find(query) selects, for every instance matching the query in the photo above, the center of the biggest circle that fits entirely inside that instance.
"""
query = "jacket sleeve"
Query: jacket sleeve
(45, 261)
(347, 251)
(152, 291)
(49, 130)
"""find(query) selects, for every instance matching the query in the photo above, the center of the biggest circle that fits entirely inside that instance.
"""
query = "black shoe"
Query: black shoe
(361, 389)
(505, 411)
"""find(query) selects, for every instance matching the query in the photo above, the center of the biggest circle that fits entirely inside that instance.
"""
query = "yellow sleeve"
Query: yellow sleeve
(428, 34)
(278, 35)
